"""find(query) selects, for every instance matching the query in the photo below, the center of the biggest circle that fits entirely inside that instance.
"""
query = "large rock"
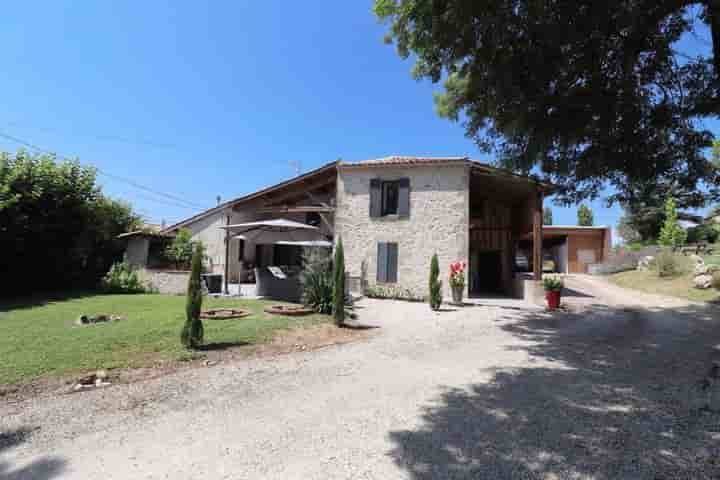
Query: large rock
(701, 269)
(645, 263)
(703, 281)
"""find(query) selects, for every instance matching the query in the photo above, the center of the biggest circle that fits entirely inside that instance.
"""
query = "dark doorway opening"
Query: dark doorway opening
(486, 269)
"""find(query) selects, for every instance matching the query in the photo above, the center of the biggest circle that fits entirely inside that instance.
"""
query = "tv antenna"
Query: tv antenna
(295, 165)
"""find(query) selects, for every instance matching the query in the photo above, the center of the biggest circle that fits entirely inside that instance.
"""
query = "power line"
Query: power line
(102, 172)
(111, 138)
(161, 202)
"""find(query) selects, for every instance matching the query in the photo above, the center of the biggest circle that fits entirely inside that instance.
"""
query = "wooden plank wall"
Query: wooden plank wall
(491, 229)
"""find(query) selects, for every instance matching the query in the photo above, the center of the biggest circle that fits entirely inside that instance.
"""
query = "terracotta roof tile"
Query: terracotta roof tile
(407, 160)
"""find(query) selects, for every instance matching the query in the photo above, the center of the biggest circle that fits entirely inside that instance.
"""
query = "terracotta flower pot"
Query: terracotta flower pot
(553, 299)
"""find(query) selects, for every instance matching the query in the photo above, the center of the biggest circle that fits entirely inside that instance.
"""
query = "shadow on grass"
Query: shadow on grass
(46, 298)
(615, 395)
(44, 468)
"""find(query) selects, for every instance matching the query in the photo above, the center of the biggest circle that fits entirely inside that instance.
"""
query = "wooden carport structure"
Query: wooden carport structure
(504, 207)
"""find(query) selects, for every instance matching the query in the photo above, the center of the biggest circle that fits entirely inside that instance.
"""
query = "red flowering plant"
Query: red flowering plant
(457, 275)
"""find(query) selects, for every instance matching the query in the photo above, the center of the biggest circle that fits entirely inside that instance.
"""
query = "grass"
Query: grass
(712, 259)
(38, 337)
(678, 286)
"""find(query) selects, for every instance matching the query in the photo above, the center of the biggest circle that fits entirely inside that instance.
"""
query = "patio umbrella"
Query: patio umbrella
(274, 231)
(310, 243)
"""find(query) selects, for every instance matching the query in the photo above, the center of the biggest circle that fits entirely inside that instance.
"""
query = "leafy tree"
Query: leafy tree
(626, 230)
(339, 284)
(192, 333)
(707, 231)
(585, 216)
(435, 284)
(56, 222)
(716, 153)
(587, 93)
(181, 249)
(672, 234)
(547, 216)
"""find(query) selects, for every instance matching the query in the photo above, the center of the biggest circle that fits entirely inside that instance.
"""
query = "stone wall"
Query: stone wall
(171, 282)
(438, 223)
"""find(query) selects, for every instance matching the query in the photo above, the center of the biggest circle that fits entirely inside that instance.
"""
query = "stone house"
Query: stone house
(392, 214)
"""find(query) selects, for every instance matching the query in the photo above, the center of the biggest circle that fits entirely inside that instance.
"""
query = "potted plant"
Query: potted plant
(457, 281)
(553, 285)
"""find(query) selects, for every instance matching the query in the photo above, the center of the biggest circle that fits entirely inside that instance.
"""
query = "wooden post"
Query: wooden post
(537, 237)
(227, 257)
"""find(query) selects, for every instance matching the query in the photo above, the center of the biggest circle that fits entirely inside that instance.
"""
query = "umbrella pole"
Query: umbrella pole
(227, 256)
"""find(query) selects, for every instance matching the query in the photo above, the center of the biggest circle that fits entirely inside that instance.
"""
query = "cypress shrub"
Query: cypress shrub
(435, 284)
(192, 332)
(339, 284)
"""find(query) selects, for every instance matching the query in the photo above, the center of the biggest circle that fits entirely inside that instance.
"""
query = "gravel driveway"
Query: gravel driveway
(496, 390)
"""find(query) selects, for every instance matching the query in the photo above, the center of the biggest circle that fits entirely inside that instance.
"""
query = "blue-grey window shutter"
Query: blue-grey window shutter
(375, 197)
(404, 198)
(382, 260)
(392, 262)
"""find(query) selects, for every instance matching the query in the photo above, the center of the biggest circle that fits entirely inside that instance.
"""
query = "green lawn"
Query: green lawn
(39, 337)
(679, 286)
(712, 259)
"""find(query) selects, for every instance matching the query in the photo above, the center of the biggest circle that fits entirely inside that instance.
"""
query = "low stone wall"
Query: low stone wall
(171, 282)
(526, 288)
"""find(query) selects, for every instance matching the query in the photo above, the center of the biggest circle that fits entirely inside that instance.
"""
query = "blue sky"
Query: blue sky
(198, 100)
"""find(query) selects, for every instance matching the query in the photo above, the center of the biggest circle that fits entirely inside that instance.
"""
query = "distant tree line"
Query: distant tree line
(57, 229)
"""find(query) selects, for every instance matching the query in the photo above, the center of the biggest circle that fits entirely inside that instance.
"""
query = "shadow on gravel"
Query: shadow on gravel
(219, 346)
(616, 394)
(42, 469)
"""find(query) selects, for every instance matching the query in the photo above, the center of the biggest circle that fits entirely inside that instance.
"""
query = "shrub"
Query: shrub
(55, 220)
(552, 283)
(123, 278)
(435, 285)
(193, 332)
(705, 232)
(180, 251)
(317, 280)
(339, 284)
(667, 263)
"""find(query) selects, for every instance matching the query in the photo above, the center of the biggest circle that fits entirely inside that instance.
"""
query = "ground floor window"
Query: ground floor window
(387, 262)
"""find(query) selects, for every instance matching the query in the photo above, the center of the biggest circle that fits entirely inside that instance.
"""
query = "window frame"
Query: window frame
(385, 186)
(389, 273)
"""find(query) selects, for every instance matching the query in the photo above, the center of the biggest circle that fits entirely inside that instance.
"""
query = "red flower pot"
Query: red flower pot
(553, 299)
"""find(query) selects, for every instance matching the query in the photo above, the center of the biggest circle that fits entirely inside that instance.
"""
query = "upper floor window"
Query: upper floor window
(390, 197)
(390, 192)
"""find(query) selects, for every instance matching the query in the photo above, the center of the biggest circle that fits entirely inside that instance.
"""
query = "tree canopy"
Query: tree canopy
(57, 229)
(587, 93)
